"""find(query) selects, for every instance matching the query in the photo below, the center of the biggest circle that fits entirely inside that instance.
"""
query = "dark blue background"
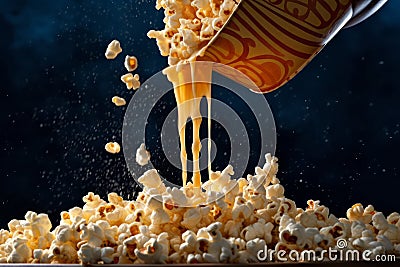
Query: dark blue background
(338, 121)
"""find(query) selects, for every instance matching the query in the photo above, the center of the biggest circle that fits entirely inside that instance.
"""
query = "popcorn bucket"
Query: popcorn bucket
(270, 41)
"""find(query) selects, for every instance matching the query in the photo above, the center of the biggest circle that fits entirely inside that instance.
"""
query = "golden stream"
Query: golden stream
(192, 83)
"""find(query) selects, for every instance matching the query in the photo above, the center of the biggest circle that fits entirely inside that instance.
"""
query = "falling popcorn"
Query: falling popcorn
(118, 101)
(142, 155)
(113, 49)
(131, 63)
(131, 81)
(112, 147)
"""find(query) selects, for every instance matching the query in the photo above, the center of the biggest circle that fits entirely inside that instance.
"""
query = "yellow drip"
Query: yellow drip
(191, 84)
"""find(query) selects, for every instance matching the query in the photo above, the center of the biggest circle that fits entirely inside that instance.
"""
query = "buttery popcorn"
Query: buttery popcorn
(112, 147)
(118, 101)
(113, 49)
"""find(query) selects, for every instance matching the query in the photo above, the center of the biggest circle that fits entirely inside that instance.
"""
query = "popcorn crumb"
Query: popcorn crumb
(112, 147)
(118, 101)
(113, 49)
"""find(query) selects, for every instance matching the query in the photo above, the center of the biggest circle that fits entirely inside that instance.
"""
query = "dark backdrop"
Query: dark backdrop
(338, 121)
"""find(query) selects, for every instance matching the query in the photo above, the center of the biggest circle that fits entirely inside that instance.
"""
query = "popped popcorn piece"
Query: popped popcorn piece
(233, 228)
(386, 229)
(131, 63)
(4, 235)
(42, 256)
(39, 223)
(142, 155)
(152, 253)
(335, 231)
(192, 217)
(92, 201)
(357, 213)
(393, 218)
(252, 249)
(219, 248)
(220, 181)
(112, 213)
(131, 81)
(292, 233)
(64, 253)
(194, 258)
(158, 215)
(316, 215)
(118, 101)
(65, 233)
(21, 252)
(242, 209)
(190, 243)
(93, 234)
(150, 179)
(107, 255)
(275, 190)
(113, 49)
(129, 247)
(89, 254)
(112, 147)
(260, 229)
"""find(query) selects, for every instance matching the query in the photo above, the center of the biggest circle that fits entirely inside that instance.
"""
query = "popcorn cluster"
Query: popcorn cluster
(234, 220)
(189, 26)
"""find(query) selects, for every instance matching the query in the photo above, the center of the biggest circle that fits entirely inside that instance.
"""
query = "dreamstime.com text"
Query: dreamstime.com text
(330, 254)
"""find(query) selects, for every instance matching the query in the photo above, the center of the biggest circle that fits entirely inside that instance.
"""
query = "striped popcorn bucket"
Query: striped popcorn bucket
(270, 41)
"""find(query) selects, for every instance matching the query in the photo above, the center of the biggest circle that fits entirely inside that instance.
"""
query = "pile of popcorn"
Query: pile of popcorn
(234, 220)
(189, 26)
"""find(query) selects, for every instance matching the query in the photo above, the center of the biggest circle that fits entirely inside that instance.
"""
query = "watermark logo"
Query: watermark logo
(341, 243)
(339, 253)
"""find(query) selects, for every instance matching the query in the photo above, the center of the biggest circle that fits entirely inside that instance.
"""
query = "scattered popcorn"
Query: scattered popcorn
(142, 155)
(113, 49)
(112, 147)
(131, 63)
(131, 81)
(118, 101)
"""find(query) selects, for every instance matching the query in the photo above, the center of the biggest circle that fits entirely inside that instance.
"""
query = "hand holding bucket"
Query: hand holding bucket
(270, 41)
